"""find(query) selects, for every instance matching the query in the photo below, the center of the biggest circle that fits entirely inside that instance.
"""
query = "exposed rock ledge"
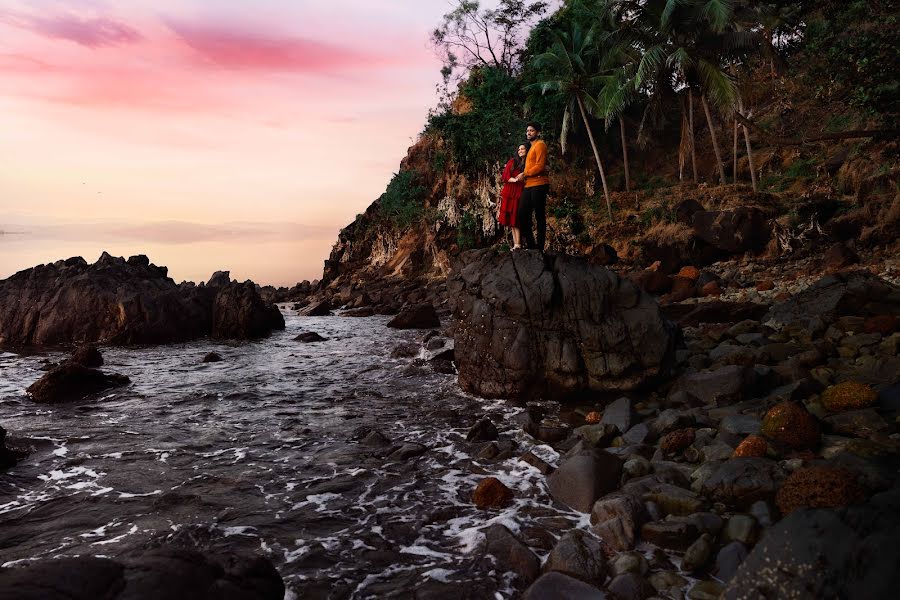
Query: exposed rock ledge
(118, 301)
(555, 325)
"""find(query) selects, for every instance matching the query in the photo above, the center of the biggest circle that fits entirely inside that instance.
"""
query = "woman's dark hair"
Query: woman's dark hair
(520, 160)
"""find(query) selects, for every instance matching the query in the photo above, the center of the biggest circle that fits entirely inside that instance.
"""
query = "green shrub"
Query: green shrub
(403, 200)
(467, 232)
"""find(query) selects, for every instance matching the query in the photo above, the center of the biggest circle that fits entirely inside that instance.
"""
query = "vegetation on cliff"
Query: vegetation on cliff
(649, 90)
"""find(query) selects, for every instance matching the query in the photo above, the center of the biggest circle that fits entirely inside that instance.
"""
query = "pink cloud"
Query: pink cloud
(235, 49)
(90, 32)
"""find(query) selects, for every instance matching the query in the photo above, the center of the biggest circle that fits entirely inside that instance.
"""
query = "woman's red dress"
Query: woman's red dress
(510, 195)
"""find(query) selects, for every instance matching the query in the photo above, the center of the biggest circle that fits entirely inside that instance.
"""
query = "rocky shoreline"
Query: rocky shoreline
(762, 427)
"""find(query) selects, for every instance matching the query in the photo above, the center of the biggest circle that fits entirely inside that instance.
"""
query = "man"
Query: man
(537, 184)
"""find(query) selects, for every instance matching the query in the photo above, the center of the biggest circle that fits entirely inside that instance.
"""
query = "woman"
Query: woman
(513, 184)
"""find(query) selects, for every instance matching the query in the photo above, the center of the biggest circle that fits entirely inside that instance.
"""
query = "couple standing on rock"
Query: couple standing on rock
(524, 194)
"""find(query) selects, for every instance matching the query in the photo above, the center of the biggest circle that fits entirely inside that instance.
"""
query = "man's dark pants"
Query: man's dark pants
(534, 202)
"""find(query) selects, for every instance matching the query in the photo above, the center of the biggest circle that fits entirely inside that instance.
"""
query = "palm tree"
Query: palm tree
(568, 71)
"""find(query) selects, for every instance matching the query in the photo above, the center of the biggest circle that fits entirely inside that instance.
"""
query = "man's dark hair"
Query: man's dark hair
(535, 124)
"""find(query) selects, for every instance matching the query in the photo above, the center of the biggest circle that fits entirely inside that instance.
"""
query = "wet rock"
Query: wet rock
(752, 446)
(558, 586)
(698, 553)
(729, 559)
(482, 431)
(721, 386)
(637, 435)
(161, 573)
(617, 519)
(578, 554)
(705, 590)
(549, 432)
(619, 413)
(741, 528)
(8, 456)
(554, 325)
(599, 436)
(492, 493)
(603, 254)
(637, 466)
(740, 482)
(71, 382)
(825, 553)
(883, 325)
(819, 486)
(537, 462)
(511, 553)
(212, 357)
(674, 500)
(630, 586)
(716, 311)
(858, 423)
(363, 312)
(124, 302)
(310, 337)
(670, 534)
(405, 350)
(321, 308)
(374, 438)
(740, 424)
(791, 424)
(422, 316)
(407, 451)
(88, 356)
(669, 420)
(584, 478)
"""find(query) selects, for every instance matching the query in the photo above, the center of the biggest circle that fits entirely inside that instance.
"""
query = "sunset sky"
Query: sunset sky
(209, 135)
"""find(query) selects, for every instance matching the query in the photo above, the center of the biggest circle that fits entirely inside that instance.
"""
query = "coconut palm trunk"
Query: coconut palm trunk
(625, 154)
(715, 142)
(587, 126)
(691, 126)
(734, 154)
(749, 148)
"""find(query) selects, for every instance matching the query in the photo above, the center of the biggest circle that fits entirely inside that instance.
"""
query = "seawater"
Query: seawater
(261, 453)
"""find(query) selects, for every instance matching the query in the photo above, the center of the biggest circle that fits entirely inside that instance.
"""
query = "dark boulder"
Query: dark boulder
(558, 586)
(71, 382)
(740, 482)
(580, 555)
(362, 312)
(212, 357)
(529, 324)
(582, 479)
(847, 553)
(839, 256)
(160, 573)
(8, 456)
(123, 302)
(482, 431)
(715, 311)
(732, 231)
(422, 316)
(310, 337)
(321, 308)
(88, 356)
(511, 553)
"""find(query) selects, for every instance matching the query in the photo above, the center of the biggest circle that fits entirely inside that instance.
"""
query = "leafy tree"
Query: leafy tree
(569, 73)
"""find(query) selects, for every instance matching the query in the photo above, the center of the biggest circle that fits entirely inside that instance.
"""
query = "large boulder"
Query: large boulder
(732, 231)
(582, 479)
(118, 301)
(559, 586)
(848, 553)
(422, 316)
(160, 573)
(71, 382)
(531, 324)
(858, 293)
(8, 456)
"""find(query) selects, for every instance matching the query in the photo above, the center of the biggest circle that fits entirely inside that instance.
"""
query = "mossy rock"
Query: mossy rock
(819, 487)
(792, 425)
(849, 395)
(752, 446)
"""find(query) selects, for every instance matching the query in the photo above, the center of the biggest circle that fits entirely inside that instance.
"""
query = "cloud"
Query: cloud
(89, 32)
(232, 48)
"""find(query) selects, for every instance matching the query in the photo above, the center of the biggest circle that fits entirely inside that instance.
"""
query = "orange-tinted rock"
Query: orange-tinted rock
(593, 417)
(765, 285)
(782, 296)
(883, 324)
(492, 493)
(683, 287)
(791, 424)
(655, 282)
(711, 289)
(819, 487)
(692, 273)
(677, 441)
(849, 395)
(752, 446)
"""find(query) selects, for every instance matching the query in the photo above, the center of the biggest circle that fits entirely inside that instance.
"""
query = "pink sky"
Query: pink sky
(127, 126)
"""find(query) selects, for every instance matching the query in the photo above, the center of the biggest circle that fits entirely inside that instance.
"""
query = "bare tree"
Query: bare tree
(470, 36)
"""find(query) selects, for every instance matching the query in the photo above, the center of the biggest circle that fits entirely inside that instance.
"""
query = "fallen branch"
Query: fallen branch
(842, 135)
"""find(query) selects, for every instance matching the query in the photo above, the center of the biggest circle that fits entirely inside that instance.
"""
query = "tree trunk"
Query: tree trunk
(715, 142)
(734, 154)
(587, 126)
(691, 125)
(625, 154)
(749, 148)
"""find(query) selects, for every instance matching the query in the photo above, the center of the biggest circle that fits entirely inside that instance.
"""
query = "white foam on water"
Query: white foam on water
(238, 530)
(421, 550)
(118, 538)
(130, 495)
(58, 475)
(442, 575)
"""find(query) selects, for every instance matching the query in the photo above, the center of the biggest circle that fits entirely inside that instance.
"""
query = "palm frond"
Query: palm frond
(717, 13)
(718, 86)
